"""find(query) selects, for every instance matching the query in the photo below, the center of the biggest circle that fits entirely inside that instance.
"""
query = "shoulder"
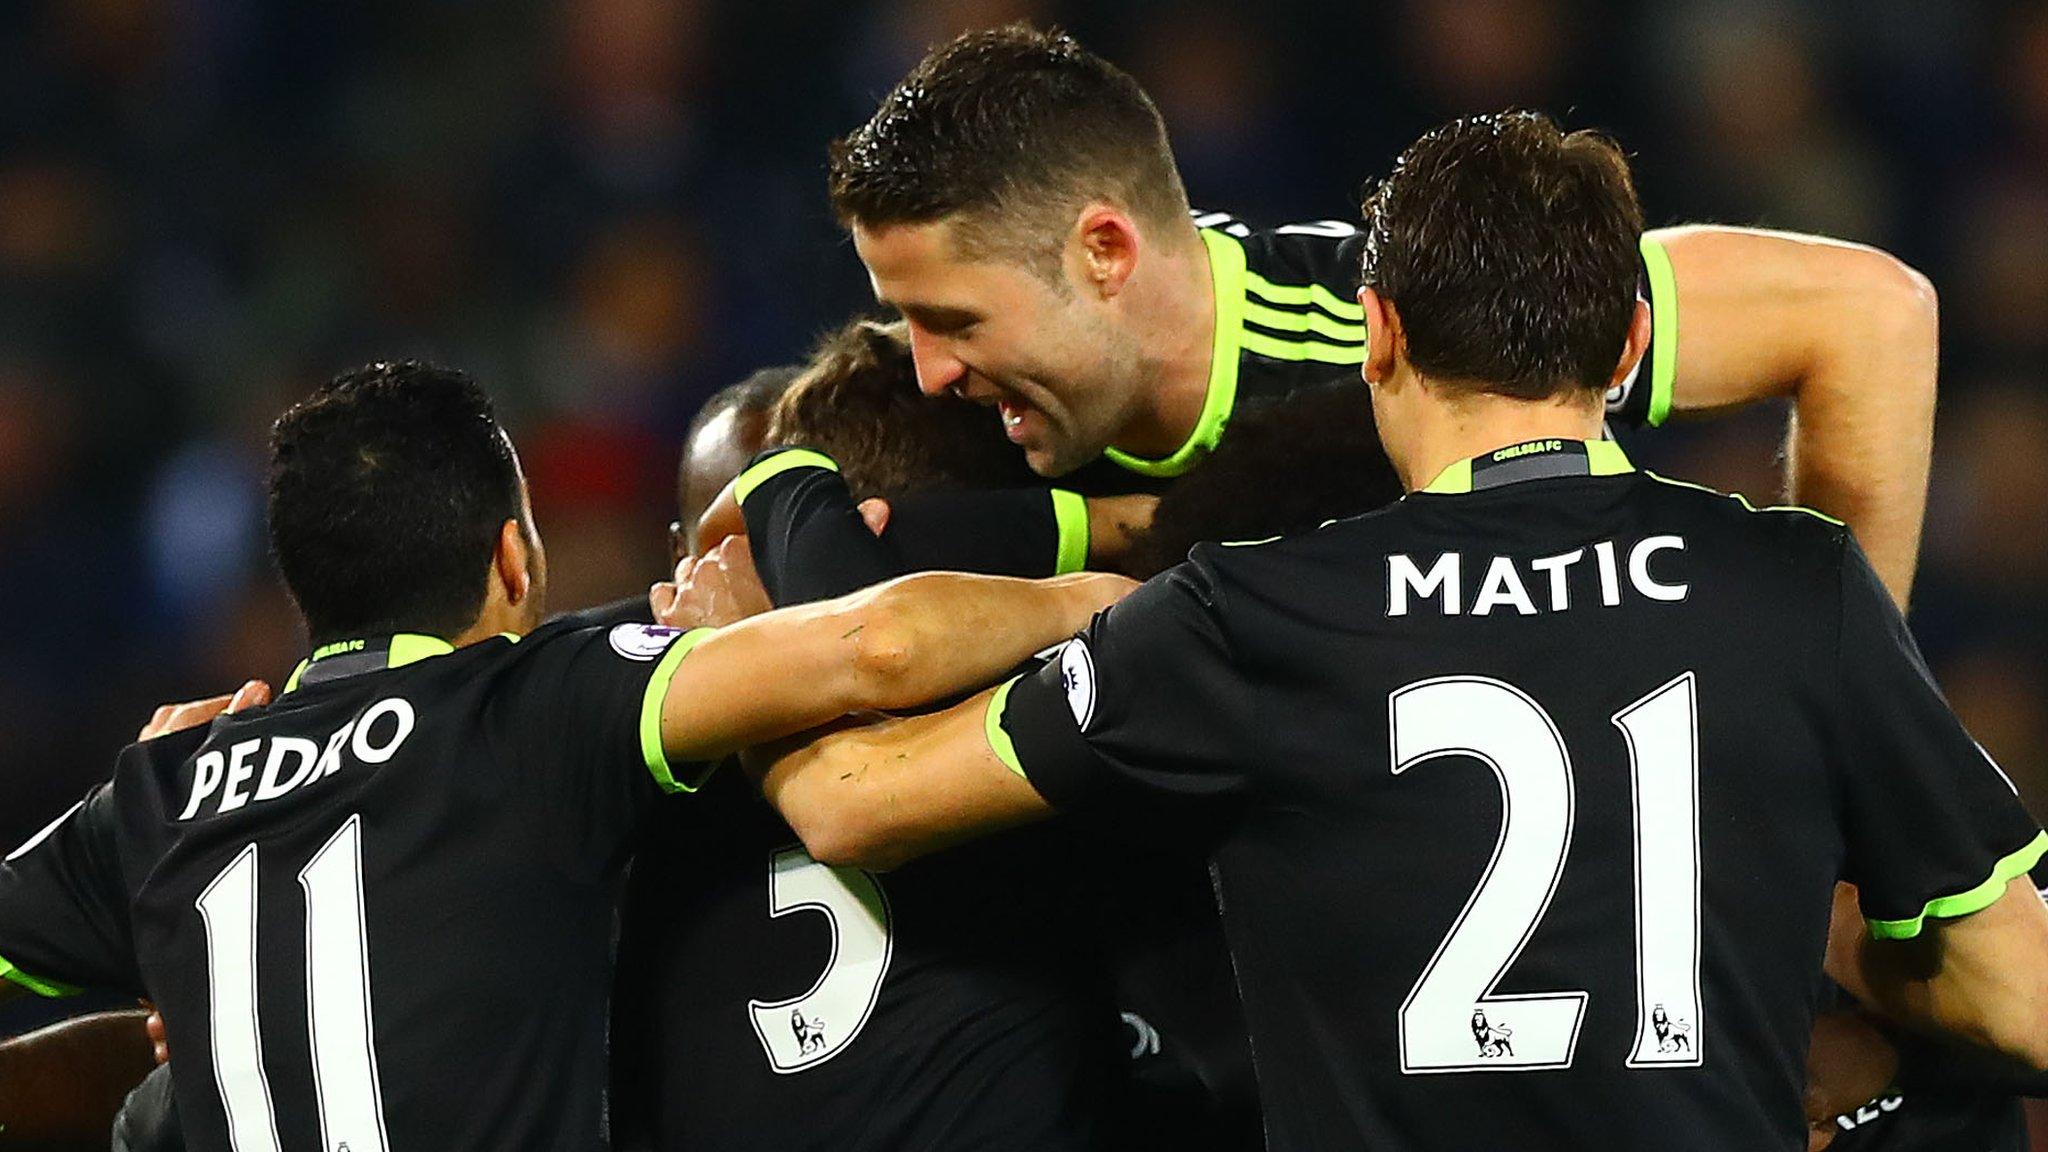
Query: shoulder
(1322, 253)
(1793, 524)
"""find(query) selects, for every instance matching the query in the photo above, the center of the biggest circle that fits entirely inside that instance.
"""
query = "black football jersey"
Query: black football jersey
(1534, 789)
(1288, 319)
(950, 1004)
(378, 913)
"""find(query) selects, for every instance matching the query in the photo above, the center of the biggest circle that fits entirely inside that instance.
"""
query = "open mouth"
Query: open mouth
(1014, 419)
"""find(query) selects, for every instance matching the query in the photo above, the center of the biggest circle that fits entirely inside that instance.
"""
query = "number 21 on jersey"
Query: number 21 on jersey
(1452, 1020)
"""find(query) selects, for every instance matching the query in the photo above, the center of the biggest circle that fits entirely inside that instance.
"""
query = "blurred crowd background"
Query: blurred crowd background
(608, 209)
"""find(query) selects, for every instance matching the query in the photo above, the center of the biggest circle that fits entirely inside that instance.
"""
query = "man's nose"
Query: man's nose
(938, 370)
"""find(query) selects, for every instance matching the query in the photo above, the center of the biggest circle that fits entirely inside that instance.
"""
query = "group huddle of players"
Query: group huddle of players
(1448, 782)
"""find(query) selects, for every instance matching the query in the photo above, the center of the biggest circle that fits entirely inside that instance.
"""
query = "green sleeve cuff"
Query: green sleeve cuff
(50, 988)
(1663, 366)
(776, 465)
(992, 726)
(1963, 903)
(651, 702)
(1070, 512)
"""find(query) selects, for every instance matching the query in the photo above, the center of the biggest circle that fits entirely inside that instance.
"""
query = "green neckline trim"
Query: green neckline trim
(1603, 458)
(405, 648)
(1739, 498)
(651, 701)
(1963, 903)
(775, 466)
(1663, 329)
(1070, 513)
(992, 726)
(1227, 276)
(41, 987)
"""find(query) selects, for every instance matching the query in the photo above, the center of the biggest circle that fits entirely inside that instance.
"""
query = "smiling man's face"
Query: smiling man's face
(1050, 359)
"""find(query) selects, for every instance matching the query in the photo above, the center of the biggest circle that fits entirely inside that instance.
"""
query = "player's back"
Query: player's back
(379, 912)
(1551, 786)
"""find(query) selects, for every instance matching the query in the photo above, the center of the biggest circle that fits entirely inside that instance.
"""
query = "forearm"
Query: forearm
(878, 795)
(1980, 979)
(1850, 335)
(903, 644)
(61, 1087)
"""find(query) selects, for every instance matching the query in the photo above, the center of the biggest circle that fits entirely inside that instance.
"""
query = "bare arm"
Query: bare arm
(904, 643)
(61, 1087)
(1981, 978)
(883, 794)
(1849, 334)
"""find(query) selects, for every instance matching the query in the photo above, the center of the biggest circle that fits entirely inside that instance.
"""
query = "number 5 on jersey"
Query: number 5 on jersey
(1452, 1020)
(807, 1030)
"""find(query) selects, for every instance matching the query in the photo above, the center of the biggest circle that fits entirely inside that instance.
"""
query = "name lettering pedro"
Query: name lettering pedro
(277, 765)
(1611, 571)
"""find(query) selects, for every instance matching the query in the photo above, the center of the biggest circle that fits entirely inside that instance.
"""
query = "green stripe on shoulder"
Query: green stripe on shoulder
(1274, 348)
(651, 702)
(1963, 903)
(1739, 498)
(992, 726)
(775, 466)
(40, 987)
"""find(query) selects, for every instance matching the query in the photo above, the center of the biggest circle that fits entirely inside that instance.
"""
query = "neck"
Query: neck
(1447, 429)
(1182, 312)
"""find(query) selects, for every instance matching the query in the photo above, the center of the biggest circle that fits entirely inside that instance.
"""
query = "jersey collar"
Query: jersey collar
(1227, 277)
(352, 657)
(1532, 460)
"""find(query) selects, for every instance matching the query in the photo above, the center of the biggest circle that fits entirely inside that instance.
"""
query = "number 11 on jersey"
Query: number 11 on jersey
(1452, 1020)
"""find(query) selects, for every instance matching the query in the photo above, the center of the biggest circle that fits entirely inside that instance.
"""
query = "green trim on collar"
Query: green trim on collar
(775, 466)
(1602, 457)
(1227, 275)
(1963, 903)
(651, 701)
(1070, 513)
(400, 649)
(1663, 366)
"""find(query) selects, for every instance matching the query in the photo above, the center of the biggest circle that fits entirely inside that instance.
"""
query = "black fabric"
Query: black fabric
(1265, 680)
(490, 796)
(148, 1120)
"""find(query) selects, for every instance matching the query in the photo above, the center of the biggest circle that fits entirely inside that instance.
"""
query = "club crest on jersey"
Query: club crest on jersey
(643, 641)
(1077, 676)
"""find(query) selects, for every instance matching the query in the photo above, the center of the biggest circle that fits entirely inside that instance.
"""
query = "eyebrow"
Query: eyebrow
(937, 317)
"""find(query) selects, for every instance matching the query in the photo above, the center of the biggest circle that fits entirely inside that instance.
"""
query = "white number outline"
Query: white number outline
(855, 883)
(1413, 1062)
(1665, 833)
(350, 1097)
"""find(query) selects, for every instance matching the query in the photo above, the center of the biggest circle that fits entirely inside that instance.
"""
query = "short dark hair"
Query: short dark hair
(1509, 247)
(1010, 128)
(388, 487)
(756, 394)
(856, 400)
(1323, 446)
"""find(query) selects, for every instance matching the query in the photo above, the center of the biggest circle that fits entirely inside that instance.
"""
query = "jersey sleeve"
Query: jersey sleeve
(581, 713)
(1142, 708)
(811, 544)
(1644, 398)
(1932, 826)
(63, 907)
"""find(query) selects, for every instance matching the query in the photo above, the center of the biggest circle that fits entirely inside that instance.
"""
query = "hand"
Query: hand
(874, 512)
(721, 519)
(178, 717)
(1850, 1064)
(712, 590)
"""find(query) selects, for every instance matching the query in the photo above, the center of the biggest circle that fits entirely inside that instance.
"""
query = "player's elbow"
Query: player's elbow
(840, 835)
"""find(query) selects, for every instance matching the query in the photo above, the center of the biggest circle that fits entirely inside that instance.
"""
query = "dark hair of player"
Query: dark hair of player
(1010, 129)
(1323, 446)
(1509, 249)
(388, 488)
(856, 400)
